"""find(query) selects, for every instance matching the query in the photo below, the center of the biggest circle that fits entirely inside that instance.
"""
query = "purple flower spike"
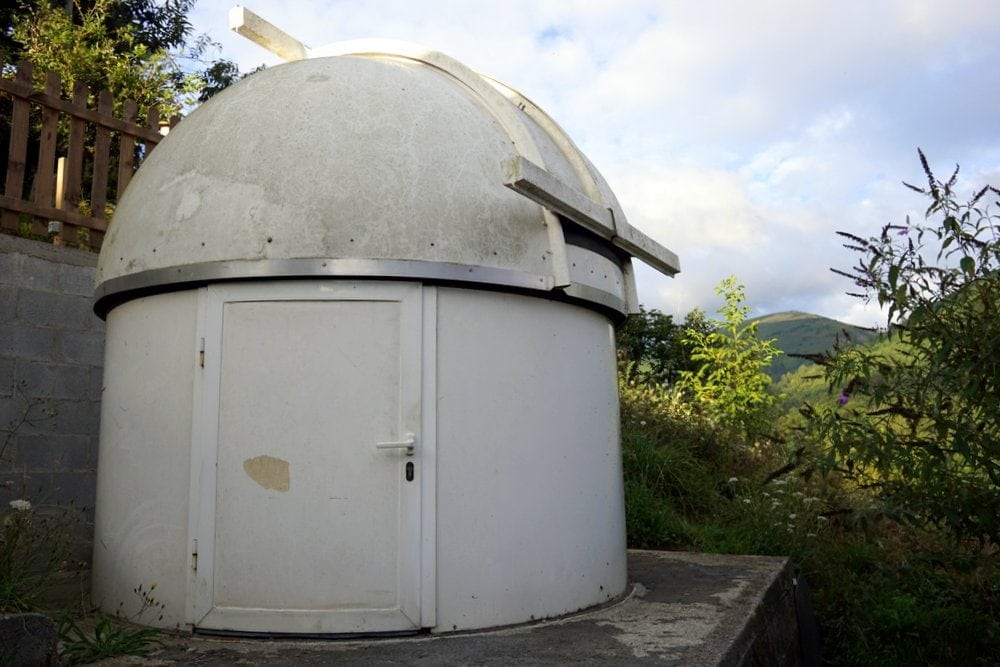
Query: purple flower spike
(842, 399)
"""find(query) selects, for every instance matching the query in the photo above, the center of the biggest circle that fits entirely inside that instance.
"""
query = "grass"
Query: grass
(96, 637)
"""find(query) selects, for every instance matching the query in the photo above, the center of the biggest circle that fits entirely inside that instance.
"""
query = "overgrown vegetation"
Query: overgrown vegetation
(36, 538)
(876, 474)
(36, 545)
(36, 548)
(38, 541)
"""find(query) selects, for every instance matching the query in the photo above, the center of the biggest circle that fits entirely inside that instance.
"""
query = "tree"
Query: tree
(731, 382)
(143, 50)
(139, 50)
(695, 324)
(919, 421)
(649, 346)
(653, 349)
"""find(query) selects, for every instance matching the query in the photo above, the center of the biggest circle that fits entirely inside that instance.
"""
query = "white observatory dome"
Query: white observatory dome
(388, 160)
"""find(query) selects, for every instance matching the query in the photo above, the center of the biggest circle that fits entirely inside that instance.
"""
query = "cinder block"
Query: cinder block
(77, 280)
(77, 417)
(8, 303)
(21, 341)
(7, 366)
(52, 381)
(10, 266)
(93, 323)
(23, 415)
(10, 410)
(39, 453)
(37, 274)
(81, 347)
(83, 550)
(96, 383)
(77, 488)
(36, 489)
(21, 485)
(54, 310)
(52, 345)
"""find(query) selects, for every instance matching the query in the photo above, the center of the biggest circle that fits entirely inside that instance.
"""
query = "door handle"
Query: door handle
(407, 444)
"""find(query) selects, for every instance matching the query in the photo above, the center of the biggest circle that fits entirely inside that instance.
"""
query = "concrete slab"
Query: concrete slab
(682, 609)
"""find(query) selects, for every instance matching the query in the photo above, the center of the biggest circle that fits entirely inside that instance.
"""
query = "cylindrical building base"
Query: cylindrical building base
(340, 456)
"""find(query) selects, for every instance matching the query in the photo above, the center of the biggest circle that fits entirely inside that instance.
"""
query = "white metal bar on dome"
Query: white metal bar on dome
(637, 244)
(537, 184)
(540, 186)
(266, 34)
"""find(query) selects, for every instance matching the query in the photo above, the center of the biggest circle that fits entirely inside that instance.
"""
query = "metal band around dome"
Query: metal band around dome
(594, 295)
(116, 289)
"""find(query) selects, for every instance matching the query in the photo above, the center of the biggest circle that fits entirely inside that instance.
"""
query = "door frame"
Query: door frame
(417, 573)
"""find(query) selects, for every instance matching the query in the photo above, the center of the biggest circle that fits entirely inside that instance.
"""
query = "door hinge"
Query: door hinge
(194, 555)
(201, 352)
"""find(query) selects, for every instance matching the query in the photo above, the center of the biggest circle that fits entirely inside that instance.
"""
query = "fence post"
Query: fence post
(126, 148)
(45, 184)
(73, 173)
(102, 151)
(17, 154)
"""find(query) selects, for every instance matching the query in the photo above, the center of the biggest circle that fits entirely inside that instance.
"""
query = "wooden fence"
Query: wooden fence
(67, 197)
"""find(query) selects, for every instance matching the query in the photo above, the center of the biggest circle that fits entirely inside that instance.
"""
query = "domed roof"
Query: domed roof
(372, 160)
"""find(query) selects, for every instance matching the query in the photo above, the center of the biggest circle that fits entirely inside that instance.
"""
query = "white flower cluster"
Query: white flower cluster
(791, 509)
(20, 505)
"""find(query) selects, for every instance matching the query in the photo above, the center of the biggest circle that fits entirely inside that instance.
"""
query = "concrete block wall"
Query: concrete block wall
(51, 357)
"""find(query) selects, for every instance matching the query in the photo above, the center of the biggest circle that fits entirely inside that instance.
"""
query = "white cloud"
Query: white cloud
(830, 124)
(690, 207)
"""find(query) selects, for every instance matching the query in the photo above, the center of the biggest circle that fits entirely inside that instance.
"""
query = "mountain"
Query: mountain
(804, 333)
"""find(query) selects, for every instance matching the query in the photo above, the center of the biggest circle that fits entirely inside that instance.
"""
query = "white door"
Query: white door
(308, 466)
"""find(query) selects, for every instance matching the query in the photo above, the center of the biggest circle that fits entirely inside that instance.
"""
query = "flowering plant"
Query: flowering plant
(35, 547)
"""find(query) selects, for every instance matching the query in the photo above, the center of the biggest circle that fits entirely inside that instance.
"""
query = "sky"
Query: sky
(741, 135)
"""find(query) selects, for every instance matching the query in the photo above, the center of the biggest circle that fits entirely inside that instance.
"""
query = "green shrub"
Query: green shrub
(920, 420)
(731, 380)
